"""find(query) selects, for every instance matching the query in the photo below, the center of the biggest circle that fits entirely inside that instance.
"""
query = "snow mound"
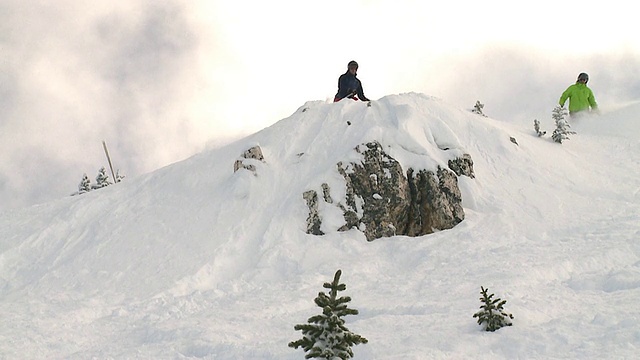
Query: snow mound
(195, 260)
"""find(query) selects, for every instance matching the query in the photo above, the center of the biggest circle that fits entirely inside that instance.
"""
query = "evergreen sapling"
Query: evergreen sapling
(85, 185)
(492, 315)
(102, 179)
(325, 336)
(536, 127)
(477, 109)
(562, 126)
(118, 176)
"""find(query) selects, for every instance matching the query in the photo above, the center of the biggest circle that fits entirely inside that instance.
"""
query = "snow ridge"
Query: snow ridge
(194, 261)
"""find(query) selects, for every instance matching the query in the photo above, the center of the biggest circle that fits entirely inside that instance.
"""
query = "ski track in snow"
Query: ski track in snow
(194, 261)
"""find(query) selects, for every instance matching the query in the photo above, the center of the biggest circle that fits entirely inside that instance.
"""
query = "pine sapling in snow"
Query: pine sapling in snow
(536, 126)
(492, 315)
(118, 176)
(477, 109)
(85, 185)
(325, 336)
(102, 179)
(562, 126)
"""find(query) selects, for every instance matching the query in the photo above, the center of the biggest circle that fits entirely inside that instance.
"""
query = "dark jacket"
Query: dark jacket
(347, 84)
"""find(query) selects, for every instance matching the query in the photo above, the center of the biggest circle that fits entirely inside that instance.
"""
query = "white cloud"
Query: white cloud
(76, 75)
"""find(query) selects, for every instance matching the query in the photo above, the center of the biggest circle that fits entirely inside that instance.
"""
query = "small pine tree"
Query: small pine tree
(118, 176)
(325, 336)
(477, 109)
(562, 126)
(102, 179)
(85, 185)
(491, 315)
(536, 126)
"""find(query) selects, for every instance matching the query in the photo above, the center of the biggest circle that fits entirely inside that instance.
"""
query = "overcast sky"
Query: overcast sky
(160, 81)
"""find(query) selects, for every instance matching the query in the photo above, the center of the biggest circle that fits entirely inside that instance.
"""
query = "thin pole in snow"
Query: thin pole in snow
(104, 144)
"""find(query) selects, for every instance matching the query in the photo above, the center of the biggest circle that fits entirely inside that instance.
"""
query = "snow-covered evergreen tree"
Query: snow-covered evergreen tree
(85, 185)
(102, 179)
(536, 126)
(325, 336)
(492, 315)
(562, 126)
(477, 109)
(118, 176)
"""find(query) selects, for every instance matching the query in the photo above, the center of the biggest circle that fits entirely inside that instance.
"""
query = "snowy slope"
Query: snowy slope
(196, 261)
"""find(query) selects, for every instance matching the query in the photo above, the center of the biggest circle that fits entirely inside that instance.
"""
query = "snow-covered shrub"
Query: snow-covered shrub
(562, 126)
(492, 315)
(536, 127)
(477, 109)
(325, 336)
(118, 176)
(85, 185)
(102, 179)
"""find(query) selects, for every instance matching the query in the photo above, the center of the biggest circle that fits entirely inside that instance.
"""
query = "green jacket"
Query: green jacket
(580, 98)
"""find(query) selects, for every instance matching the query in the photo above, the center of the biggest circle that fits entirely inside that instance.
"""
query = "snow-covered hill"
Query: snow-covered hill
(194, 261)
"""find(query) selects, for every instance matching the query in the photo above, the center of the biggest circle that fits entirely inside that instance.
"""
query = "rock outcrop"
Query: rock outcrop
(313, 221)
(382, 201)
(462, 166)
(245, 162)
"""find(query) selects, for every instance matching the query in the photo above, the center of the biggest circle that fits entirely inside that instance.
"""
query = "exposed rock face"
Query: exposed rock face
(254, 153)
(313, 221)
(462, 166)
(381, 201)
(377, 193)
(435, 202)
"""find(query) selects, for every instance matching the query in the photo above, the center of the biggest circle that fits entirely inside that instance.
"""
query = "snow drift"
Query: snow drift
(195, 260)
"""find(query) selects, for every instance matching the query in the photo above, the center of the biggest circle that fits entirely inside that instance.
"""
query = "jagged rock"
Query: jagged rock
(326, 193)
(376, 193)
(254, 153)
(313, 221)
(462, 166)
(436, 202)
(381, 201)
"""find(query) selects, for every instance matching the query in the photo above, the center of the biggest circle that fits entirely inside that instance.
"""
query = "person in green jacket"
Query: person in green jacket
(580, 97)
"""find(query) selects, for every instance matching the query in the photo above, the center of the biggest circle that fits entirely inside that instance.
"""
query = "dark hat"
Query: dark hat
(583, 76)
(352, 63)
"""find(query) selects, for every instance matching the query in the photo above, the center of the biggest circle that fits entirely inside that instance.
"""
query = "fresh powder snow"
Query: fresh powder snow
(196, 261)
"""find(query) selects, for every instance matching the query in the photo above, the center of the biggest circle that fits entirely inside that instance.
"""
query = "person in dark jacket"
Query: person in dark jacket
(349, 86)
